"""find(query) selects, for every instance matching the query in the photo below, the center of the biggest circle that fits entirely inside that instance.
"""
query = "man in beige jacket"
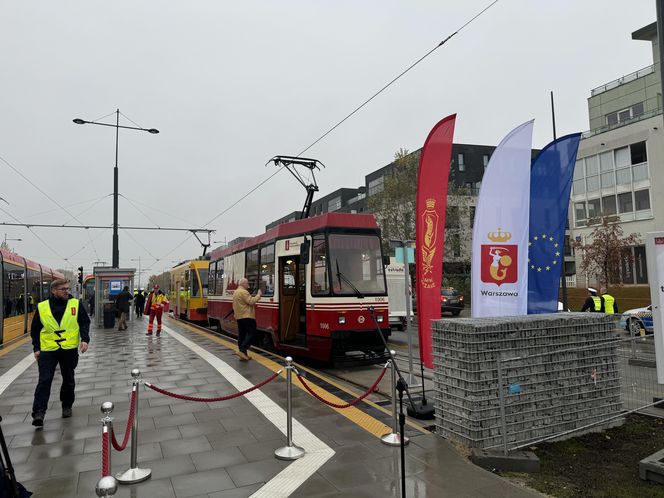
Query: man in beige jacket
(244, 308)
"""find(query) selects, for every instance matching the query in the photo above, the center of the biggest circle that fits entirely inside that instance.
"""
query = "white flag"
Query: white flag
(500, 234)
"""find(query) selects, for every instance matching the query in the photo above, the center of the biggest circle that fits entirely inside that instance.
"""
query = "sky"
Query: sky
(229, 85)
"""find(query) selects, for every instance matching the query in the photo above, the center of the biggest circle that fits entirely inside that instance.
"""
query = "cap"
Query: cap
(592, 289)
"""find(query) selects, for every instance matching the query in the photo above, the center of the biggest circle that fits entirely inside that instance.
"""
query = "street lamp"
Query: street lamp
(116, 251)
(4, 244)
(139, 270)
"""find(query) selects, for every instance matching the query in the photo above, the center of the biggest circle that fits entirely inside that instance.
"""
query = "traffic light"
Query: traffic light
(80, 275)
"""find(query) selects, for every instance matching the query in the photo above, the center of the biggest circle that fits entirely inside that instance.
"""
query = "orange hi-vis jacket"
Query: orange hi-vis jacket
(153, 303)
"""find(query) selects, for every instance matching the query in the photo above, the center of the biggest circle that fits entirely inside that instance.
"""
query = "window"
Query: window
(606, 161)
(334, 204)
(376, 185)
(461, 162)
(266, 277)
(472, 216)
(642, 199)
(608, 179)
(640, 172)
(320, 282)
(456, 245)
(623, 115)
(212, 278)
(251, 270)
(609, 205)
(594, 208)
(625, 203)
(638, 153)
(578, 169)
(568, 246)
(624, 176)
(592, 183)
(622, 157)
(485, 160)
(356, 259)
(580, 213)
(34, 288)
(13, 281)
(592, 165)
(579, 186)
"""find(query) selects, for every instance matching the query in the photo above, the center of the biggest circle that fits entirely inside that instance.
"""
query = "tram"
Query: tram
(189, 290)
(23, 284)
(323, 285)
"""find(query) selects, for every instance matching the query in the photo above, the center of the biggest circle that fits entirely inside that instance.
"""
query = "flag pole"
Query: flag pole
(563, 275)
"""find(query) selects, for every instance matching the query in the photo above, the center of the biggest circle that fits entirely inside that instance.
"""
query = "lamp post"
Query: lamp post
(139, 270)
(116, 251)
(4, 244)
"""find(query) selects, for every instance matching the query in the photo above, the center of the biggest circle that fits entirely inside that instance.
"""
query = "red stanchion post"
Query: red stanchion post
(134, 474)
(393, 438)
(107, 485)
(290, 451)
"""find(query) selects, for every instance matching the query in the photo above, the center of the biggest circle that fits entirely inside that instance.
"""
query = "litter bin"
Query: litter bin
(109, 315)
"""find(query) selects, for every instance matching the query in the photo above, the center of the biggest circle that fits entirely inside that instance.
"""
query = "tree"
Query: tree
(394, 207)
(602, 258)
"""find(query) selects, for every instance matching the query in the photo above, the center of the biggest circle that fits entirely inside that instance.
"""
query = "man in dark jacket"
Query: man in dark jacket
(122, 305)
(139, 302)
(60, 327)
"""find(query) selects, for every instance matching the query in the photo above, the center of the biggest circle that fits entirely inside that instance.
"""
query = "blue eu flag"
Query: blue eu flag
(550, 185)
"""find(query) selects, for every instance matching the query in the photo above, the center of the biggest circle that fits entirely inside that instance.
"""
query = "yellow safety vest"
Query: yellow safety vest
(608, 303)
(56, 335)
(598, 303)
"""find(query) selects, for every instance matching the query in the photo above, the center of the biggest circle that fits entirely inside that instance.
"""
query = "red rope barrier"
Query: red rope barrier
(130, 421)
(345, 405)
(211, 400)
(105, 470)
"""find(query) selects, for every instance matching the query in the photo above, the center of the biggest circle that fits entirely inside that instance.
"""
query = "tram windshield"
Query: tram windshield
(356, 260)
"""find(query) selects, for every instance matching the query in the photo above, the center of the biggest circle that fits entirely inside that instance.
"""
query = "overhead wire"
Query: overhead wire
(35, 234)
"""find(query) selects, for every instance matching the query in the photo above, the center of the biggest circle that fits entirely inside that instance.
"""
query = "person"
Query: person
(244, 308)
(609, 304)
(139, 302)
(91, 303)
(60, 328)
(122, 305)
(155, 307)
(593, 302)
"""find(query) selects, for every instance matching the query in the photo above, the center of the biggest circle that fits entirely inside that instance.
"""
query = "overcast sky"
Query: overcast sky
(231, 84)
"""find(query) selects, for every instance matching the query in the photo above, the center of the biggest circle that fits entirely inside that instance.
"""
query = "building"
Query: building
(619, 161)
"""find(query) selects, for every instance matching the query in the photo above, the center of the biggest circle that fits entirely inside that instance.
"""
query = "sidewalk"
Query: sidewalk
(214, 449)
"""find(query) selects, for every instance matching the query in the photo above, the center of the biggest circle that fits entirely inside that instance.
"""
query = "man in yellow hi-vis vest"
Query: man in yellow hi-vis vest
(56, 327)
(609, 304)
(593, 302)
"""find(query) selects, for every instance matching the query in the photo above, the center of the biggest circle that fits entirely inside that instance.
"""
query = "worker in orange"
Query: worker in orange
(154, 306)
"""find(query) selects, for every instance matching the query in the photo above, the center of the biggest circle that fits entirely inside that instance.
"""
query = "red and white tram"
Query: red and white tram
(321, 278)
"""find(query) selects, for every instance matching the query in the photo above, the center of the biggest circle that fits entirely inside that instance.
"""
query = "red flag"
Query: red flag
(432, 179)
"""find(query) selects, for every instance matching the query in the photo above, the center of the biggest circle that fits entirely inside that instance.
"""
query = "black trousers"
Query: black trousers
(48, 361)
(246, 330)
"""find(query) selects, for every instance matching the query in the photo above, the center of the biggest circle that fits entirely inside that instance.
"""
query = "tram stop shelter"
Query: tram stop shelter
(109, 282)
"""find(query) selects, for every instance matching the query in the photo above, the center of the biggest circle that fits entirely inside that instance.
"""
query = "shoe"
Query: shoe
(38, 420)
(158, 333)
(66, 412)
(247, 355)
(148, 333)
(241, 355)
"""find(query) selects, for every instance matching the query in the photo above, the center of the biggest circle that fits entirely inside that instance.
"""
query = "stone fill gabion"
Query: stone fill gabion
(560, 372)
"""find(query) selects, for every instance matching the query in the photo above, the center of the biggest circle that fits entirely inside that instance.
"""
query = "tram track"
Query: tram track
(333, 382)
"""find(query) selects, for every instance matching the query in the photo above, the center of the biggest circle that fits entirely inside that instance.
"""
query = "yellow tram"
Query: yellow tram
(189, 290)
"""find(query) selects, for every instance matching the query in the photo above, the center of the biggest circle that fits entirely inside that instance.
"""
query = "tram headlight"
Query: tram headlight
(379, 318)
(342, 319)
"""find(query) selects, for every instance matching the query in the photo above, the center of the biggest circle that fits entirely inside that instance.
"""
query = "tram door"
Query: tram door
(292, 304)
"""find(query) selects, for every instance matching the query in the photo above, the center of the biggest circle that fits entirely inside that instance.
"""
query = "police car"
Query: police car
(636, 319)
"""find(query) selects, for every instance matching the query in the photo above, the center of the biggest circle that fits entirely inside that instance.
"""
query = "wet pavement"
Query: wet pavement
(221, 449)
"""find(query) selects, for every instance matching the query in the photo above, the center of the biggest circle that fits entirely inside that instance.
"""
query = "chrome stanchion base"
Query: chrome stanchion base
(289, 453)
(132, 476)
(394, 439)
(107, 486)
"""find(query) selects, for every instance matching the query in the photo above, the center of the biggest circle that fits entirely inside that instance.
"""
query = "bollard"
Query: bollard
(107, 486)
(501, 401)
(289, 452)
(394, 438)
(107, 421)
(134, 474)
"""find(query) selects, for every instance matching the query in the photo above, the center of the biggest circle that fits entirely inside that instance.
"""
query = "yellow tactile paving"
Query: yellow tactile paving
(355, 415)
(15, 344)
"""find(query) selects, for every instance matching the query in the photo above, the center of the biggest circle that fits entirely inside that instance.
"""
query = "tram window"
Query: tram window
(267, 270)
(195, 284)
(13, 281)
(320, 281)
(219, 287)
(34, 279)
(359, 261)
(251, 272)
(212, 278)
(203, 274)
